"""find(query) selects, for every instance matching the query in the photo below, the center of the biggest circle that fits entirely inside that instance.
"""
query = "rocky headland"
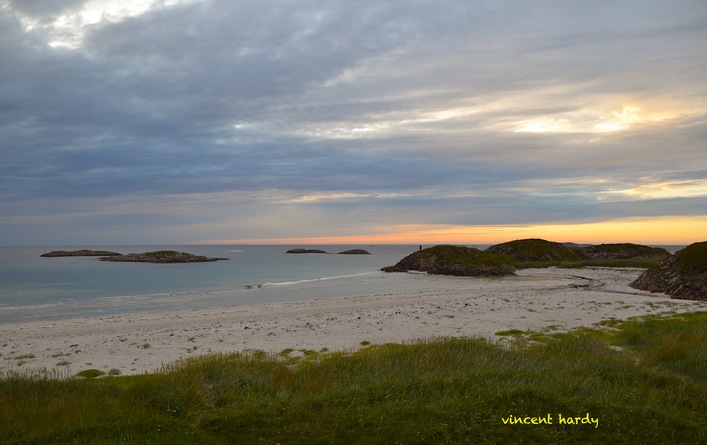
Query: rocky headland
(83, 252)
(455, 260)
(540, 250)
(161, 256)
(682, 275)
(535, 249)
(622, 251)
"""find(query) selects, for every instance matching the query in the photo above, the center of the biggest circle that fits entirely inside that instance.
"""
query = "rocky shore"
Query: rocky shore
(682, 275)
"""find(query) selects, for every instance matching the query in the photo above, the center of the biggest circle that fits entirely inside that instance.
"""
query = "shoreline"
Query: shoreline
(536, 299)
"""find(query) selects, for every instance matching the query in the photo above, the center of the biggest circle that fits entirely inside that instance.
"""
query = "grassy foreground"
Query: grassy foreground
(642, 381)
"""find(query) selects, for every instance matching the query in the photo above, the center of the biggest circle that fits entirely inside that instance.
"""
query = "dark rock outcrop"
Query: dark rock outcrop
(682, 275)
(623, 251)
(455, 260)
(355, 252)
(536, 250)
(305, 251)
(83, 252)
(161, 256)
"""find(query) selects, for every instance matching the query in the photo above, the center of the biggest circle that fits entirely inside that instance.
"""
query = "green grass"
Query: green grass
(644, 380)
(464, 256)
(536, 250)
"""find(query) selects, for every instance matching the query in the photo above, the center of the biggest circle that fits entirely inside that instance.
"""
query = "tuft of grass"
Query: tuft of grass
(512, 333)
(644, 380)
(90, 373)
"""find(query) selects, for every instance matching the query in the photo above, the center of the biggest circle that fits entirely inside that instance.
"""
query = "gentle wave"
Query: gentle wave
(140, 296)
(314, 280)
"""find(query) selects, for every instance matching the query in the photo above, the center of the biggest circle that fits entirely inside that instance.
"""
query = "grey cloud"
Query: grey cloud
(43, 8)
(234, 96)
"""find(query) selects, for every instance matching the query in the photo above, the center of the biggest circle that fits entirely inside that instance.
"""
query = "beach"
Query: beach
(553, 300)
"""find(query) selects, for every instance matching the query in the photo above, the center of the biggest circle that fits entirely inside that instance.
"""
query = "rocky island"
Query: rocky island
(305, 251)
(83, 252)
(682, 275)
(455, 260)
(355, 252)
(161, 256)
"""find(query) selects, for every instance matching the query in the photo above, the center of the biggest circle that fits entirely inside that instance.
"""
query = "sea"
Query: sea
(39, 288)
(33, 287)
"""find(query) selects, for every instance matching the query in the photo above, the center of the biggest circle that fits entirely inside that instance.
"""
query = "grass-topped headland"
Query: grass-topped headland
(641, 381)
(542, 253)
(455, 260)
(503, 259)
(682, 275)
(536, 250)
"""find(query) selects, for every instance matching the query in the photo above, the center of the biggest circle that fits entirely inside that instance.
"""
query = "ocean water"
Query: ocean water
(36, 288)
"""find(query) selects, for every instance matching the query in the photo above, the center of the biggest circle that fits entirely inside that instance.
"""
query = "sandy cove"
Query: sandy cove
(536, 299)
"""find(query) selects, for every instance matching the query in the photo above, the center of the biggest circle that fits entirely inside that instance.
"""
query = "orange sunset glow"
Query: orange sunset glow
(651, 231)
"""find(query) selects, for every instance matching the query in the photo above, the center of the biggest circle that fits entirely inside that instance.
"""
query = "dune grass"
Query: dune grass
(644, 381)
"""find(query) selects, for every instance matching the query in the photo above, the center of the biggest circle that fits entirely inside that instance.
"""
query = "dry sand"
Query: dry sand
(136, 343)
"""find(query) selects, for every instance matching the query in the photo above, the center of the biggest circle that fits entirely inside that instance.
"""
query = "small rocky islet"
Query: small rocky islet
(82, 252)
(355, 252)
(346, 252)
(301, 251)
(161, 256)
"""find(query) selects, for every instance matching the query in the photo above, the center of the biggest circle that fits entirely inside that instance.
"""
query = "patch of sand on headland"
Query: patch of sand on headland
(138, 343)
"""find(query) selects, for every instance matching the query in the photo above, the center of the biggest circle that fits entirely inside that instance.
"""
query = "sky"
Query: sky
(350, 122)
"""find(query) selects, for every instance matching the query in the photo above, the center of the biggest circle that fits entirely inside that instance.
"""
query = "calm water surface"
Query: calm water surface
(32, 287)
(36, 288)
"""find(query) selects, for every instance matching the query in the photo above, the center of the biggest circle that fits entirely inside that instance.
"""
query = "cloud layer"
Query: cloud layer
(155, 121)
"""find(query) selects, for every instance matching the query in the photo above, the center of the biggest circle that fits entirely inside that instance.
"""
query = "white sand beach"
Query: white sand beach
(536, 299)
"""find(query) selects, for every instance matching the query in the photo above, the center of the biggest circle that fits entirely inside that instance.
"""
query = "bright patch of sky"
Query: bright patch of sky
(655, 189)
(588, 121)
(67, 29)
